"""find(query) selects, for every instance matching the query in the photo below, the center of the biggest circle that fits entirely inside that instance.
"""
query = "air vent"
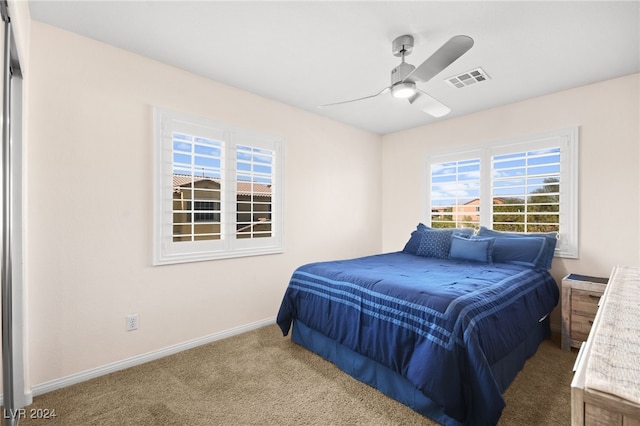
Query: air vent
(468, 78)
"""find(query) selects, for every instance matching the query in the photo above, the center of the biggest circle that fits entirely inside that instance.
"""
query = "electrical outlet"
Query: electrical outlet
(132, 322)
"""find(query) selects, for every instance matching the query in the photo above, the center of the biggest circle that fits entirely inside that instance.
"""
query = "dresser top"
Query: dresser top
(614, 363)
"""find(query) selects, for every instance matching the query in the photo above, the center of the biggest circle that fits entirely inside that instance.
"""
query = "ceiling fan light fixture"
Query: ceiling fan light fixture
(403, 90)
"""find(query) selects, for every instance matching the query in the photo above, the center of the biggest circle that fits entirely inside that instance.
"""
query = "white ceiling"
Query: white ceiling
(308, 53)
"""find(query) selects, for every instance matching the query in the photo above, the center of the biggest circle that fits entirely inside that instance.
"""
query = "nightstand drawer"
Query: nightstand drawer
(585, 302)
(580, 297)
(580, 327)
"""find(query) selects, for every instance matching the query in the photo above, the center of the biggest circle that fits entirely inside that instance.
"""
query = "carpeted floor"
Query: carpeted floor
(261, 378)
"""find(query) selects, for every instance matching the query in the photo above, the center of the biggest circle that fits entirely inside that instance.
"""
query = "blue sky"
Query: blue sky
(204, 157)
(514, 175)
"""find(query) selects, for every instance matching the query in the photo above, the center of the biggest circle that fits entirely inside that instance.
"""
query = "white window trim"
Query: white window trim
(568, 141)
(165, 250)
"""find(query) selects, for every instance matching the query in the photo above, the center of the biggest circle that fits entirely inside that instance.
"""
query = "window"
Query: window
(254, 177)
(219, 190)
(455, 193)
(525, 185)
(525, 191)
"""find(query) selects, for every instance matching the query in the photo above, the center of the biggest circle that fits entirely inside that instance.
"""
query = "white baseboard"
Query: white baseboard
(73, 379)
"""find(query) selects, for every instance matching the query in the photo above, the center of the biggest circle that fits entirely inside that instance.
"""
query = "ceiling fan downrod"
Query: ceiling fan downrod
(400, 88)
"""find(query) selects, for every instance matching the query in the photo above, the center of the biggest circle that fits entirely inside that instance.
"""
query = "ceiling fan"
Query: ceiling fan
(405, 76)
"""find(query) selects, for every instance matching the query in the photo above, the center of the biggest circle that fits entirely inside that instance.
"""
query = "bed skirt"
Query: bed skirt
(397, 387)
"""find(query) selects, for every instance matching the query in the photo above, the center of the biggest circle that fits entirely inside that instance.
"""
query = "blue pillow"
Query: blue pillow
(416, 236)
(523, 253)
(414, 241)
(475, 249)
(520, 251)
(437, 242)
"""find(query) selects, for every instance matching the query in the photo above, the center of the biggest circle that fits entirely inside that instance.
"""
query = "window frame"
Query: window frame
(566, 139)
(168, 251)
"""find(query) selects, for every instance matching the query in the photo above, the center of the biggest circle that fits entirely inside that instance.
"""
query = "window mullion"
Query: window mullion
(486, 188)
(230, 191)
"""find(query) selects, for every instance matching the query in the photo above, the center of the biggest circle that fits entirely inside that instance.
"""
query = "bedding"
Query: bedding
(452, 329)
(534, 249)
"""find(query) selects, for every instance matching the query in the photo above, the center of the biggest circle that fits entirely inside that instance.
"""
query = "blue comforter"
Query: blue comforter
(441, 324)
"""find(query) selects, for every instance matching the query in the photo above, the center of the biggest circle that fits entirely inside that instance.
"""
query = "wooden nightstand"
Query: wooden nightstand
(580, 297)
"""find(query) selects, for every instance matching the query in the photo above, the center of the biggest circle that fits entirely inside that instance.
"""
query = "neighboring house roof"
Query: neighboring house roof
(243, 188)
(496, 200)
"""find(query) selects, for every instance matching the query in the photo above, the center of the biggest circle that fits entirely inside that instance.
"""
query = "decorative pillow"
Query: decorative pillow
(475, 249)
(416, 236)
(525, 252)
(437, 242)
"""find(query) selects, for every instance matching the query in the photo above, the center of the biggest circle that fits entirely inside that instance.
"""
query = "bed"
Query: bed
(442, 326)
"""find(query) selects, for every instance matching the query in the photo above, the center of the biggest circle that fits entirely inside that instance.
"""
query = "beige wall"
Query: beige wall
(90, 161)
(607, 114)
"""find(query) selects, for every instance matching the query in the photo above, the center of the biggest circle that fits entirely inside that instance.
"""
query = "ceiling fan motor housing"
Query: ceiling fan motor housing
(401, 72)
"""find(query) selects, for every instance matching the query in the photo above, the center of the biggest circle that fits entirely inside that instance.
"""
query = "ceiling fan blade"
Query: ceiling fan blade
(441, 58)
(386, 89)
(429, 105)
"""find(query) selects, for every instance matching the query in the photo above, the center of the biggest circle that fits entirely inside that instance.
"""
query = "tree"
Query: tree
(538, 213)
(546, 201)
(509, 214)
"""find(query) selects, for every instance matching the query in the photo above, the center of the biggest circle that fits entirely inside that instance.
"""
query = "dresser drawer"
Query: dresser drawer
(584, 302)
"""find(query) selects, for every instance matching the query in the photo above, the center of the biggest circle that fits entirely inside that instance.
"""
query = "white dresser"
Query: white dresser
(606, 386)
